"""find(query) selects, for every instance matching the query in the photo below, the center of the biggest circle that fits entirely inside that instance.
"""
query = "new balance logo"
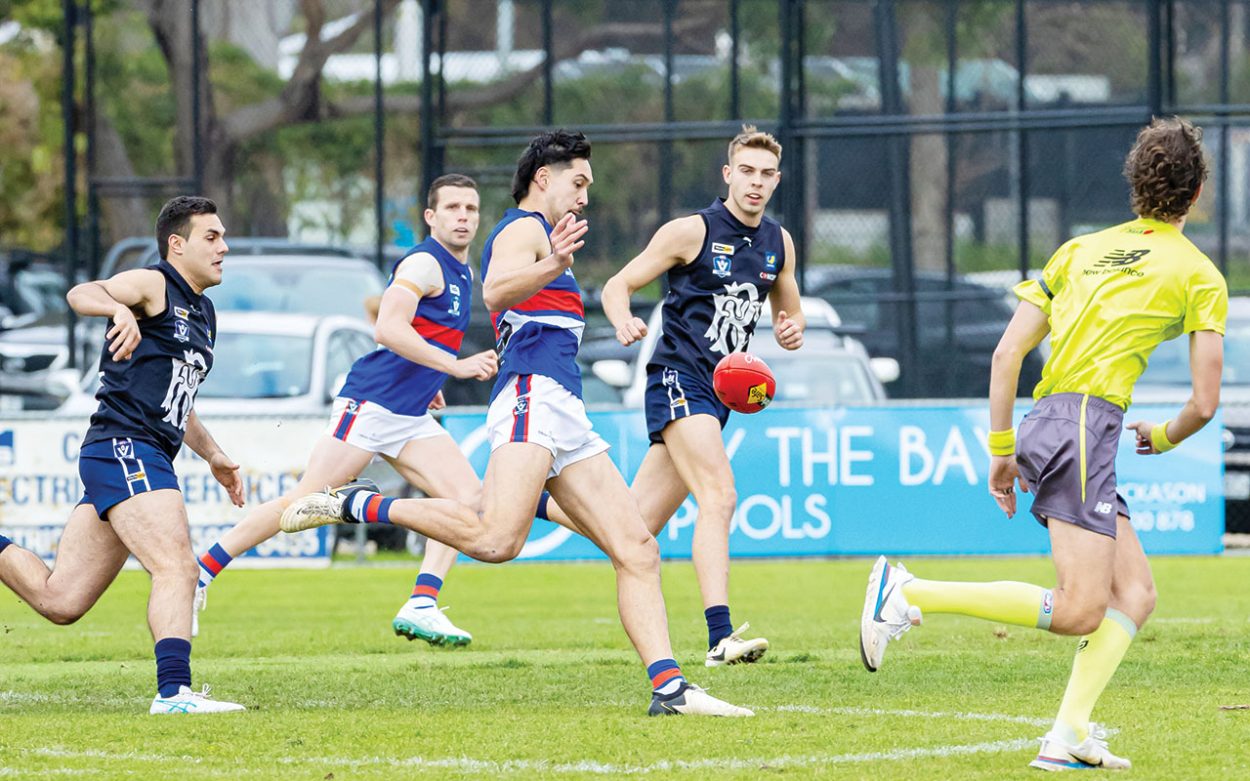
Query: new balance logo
(1118, 257)
(1102, 508)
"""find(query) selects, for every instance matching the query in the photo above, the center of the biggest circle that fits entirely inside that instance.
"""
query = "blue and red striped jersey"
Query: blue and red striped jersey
(541, 334)
(396, 383)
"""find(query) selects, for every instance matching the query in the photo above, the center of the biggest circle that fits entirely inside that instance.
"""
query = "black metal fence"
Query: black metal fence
(935, 150)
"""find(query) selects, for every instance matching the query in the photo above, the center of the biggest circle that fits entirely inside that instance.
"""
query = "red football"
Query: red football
(744, 383)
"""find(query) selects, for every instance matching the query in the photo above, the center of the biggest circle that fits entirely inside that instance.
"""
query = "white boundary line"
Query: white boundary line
(584, 766)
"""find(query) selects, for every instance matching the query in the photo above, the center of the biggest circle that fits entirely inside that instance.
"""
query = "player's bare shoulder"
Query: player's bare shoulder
(681, 239)
(520, 237)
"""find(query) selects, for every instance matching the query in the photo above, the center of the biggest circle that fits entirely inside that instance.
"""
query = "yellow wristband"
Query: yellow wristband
(1159, 437)
(1002, 443)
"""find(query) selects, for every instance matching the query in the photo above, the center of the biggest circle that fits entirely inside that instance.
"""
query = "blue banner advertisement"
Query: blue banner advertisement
(893, 480)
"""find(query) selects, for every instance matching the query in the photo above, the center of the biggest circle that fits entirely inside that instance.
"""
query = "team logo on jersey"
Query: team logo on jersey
(521, 407)
(188, 372)
(123, 449)
(722, 266)
(182, 331)
(455, 299)
(180, 312)
(770, 260)
(734, 316)
(722, 249)
(352, 407)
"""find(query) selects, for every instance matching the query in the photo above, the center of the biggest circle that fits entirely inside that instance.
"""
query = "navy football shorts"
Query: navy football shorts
(673, 394)
(113, 470)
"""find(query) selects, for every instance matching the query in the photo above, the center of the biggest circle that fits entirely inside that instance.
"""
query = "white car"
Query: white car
(268, 364)
(831, 368)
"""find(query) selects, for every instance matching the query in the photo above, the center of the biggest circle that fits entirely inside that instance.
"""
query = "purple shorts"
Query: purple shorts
(1069, 468)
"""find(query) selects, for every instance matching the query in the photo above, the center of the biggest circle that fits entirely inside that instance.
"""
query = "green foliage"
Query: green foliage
(551, 684)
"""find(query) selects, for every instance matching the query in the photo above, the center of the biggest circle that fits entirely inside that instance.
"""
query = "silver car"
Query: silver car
(268, 364)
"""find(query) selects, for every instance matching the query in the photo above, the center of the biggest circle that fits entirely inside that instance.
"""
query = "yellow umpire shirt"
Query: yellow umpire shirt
(1113, 296)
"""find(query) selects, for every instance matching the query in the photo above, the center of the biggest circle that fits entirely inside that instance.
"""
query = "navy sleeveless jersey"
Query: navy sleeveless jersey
(714, 301)
(149, 396)
(541, 334)
(396, 383)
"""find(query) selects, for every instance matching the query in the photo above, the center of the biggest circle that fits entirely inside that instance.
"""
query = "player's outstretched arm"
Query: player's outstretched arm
(524, 260)
(138, 290)
(788, 320)
(1206, 367)
(676, 243)
(1027, 329)
(224, 469)
(415, 279)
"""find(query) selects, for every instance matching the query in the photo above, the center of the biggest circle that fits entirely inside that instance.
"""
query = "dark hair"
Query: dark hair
(447, 180)
(175, 217)
(555, 147)
(1165, 168)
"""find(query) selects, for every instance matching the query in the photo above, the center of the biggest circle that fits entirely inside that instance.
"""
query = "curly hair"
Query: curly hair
(1165, 168)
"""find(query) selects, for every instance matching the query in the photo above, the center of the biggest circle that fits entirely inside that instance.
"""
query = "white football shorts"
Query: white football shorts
(374, 428)
(535, 408)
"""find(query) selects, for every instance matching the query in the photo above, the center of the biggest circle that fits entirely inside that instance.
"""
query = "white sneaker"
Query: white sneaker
(1055, 754)
(201, 602)
(690, 700)
(428, 624)
(733, 649)
(187, 701)
(321, 508)
(886, 616)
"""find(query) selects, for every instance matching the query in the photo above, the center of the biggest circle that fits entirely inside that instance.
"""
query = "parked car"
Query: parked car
(33, 360)
(1167, 381)
(268, 364)
(32, 294)
(32, 289)
(831, 368)
(958, 325)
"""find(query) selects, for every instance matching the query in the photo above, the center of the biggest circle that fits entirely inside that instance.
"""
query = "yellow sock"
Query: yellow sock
(1008, 601)
(1097, 657)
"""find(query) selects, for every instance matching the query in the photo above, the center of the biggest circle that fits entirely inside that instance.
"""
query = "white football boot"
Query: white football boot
(321, 508)
(429, 624)
(187, 701)
(1092, 753)
(734, 650)
(886, 616)
(201, 602)
(690, 700)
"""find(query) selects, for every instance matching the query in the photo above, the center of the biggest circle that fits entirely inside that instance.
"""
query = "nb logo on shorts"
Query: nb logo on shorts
(1103, 508)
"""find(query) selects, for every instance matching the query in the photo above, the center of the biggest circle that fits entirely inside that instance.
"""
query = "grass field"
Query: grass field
(550, 688)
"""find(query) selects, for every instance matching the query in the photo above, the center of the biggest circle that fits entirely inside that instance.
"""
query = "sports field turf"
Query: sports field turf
(550, 688)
